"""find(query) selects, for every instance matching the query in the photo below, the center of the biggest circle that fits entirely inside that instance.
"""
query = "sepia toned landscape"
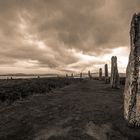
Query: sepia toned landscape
(62, 108)
(69, 70)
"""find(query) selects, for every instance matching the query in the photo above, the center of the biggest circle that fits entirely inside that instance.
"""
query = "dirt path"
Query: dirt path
(89, 110)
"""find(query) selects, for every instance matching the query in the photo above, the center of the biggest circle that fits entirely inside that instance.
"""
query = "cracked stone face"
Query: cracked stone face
(132, 85)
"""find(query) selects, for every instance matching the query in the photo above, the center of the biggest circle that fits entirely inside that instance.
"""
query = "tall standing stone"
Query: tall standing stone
(132, 86)
(106, 74)
(72, 76)
(67, 76)
(89, 75)
(81, 75)
(114, 79)
(100, 74)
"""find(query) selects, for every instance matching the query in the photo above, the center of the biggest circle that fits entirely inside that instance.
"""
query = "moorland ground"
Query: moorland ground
(82, 110)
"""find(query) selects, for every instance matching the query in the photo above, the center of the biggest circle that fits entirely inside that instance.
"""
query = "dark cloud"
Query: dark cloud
(89, 26)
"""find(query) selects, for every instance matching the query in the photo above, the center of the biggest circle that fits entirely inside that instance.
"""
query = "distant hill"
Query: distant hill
(55, 75)
(22, 74)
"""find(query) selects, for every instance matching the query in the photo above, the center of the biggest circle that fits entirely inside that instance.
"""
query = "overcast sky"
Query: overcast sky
(59, 36)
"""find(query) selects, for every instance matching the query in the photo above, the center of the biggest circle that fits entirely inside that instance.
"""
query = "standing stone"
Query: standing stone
(72, 75)
(67, 76)
(114, 79)
(81, 75)
(100, 74)
(89, 75)
(132, 86)
(106, 74)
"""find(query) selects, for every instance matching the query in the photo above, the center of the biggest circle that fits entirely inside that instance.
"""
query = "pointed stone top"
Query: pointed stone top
(114, 57)
(138, 14)
(135, 16)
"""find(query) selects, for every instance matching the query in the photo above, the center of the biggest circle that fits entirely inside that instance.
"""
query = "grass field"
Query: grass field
(64, 109)
(18, 89)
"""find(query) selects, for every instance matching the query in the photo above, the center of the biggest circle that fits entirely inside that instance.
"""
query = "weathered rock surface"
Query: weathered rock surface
(114, 79)
(106, 74)
(132, 86)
